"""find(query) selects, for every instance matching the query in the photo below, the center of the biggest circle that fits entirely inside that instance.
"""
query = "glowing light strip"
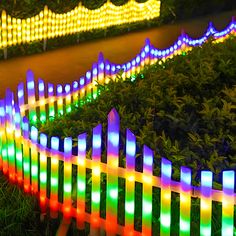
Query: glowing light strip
(147, 191)
(48, 24)
(54, 177)
(26, 155)
(206, 203)
(113, 127)
(81, 180)
(96, 178)
(43, 172)
(9, 102)
(18, 148)
(34, 160)
(165, 216)
(85, 87)
(67, 184)
(185, 201)
(130, 181)
(228, 203)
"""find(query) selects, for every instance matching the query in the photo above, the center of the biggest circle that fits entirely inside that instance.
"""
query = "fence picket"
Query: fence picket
(43, 172)
(9, 102)
(112, 177)
(185, 201)
(26, 154)
(31, 95)
(130, 182)
(34, 159)
(54, 179)
(3, 137)
(147, 191)
(206, 203)
(81, 180)
(51, 102)
(96, 179)
(228, 203)
(67, 184)
(42, 108)
(165, 216)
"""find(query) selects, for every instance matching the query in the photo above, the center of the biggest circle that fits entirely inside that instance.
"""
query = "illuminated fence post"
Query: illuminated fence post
(67, 188)
(206, 203)
(68, 98)
(147, 191)
(107, 71)
(21, 95)
(59, 100)
(165, 217)
(26, 154)
(75, 87)
(34, 159)
(81, 180)
(112, 177)
(101, 72)
(41, 90)
(130, 181)
(31, 95)
(51, 106)
(228, 203)
(54, 177)
(43, 172)
(3, 137)
(96, 178)
(82, 84)
(17, 138)
(9, 101)
(185, 201)
(93, 90)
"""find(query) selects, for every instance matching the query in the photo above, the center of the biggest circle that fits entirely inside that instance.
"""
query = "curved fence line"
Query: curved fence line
(48, 24)
(103, 70)
(58, 174)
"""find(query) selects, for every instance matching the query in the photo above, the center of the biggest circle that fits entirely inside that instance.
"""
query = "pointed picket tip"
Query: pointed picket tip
(113, 115)
(29, 75)
(100, 57)
(147, 41)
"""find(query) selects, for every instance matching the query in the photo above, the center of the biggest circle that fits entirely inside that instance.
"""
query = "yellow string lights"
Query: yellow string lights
(48, 24)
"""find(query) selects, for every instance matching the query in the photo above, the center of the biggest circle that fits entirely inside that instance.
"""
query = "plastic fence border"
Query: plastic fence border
(34, 160)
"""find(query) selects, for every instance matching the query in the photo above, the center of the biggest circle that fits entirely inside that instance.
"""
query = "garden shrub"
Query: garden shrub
(184, 109)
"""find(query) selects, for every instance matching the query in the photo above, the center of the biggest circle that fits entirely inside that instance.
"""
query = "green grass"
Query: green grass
(19, 213)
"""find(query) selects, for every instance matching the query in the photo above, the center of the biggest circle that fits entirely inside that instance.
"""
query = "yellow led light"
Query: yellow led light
(48, 25)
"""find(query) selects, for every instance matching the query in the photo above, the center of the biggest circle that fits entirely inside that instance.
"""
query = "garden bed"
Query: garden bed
(184, 109)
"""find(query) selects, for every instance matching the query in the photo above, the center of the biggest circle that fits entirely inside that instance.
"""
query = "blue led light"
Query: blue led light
(101, 66)
(41, 86)
(81, 81)
(88, 75)
(67, 88)
(138, 59)
(95, 71)
(59, 89)
(146, 49)
(128, 65)
(20, 93)
(108, 67)
(75, 84)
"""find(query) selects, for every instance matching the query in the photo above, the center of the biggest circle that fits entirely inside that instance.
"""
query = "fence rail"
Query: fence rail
(58, 174)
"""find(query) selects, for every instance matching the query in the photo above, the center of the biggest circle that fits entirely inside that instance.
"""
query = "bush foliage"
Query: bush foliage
(184, 109)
